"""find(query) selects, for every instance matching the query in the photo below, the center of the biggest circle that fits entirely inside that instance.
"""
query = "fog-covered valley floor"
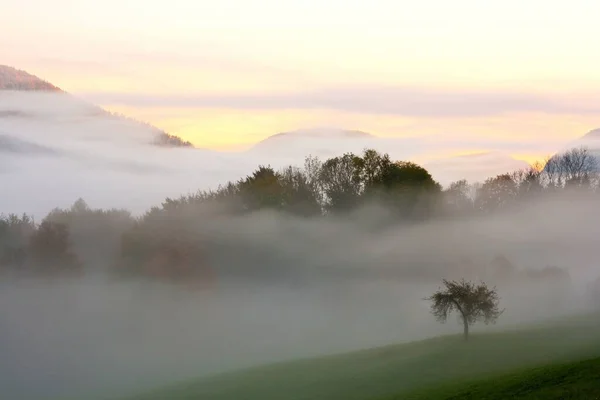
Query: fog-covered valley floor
(285, 287)
(86, 338)
(327, 287)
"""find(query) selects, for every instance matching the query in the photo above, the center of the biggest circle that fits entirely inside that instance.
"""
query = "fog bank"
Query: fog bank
(286, 288)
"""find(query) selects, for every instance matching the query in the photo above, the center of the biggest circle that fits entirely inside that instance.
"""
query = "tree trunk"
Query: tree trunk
(466, 328)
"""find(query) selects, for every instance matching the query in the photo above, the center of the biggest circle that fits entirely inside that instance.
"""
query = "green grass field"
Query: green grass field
(418, 370)
(578, 380)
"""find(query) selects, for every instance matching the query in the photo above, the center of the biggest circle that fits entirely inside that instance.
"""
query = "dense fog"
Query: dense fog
(321, 287)
(285, 287)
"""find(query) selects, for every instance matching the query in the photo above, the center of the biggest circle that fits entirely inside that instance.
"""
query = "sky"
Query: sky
(230, 73)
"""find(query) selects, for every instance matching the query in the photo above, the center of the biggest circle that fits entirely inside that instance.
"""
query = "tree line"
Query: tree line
(161, 138)
(164, 243)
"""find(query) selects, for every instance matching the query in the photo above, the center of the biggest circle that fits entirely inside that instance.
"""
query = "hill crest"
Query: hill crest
(317, 133)
(16, 79)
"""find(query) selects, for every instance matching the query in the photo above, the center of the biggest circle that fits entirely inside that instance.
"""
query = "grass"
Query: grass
(575, 380)
(400, 369)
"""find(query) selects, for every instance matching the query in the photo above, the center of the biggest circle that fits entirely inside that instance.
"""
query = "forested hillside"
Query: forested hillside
(183, 238)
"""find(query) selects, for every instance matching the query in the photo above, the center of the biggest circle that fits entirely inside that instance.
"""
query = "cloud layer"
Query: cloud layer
(56, 148)
(389, 100)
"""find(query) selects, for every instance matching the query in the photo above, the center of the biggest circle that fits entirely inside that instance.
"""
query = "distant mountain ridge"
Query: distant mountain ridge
(294, 146)
(163, 139)
(594, 133)
(290, 147)
(590, 140)
(328, 142)
(15, 80)
(315, 133)
(321, 133)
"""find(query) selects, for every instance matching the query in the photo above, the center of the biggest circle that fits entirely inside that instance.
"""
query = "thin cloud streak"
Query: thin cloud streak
(392, 100)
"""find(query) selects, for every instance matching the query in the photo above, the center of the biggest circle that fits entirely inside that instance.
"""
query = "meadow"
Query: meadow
(440, 368)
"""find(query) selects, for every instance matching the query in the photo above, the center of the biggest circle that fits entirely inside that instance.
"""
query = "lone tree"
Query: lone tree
(472, 302)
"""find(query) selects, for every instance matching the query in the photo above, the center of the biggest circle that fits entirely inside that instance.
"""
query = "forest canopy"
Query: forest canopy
(174, 239)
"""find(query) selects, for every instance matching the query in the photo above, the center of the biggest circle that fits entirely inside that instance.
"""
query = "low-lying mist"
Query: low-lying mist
(58, 145)
(286, 288)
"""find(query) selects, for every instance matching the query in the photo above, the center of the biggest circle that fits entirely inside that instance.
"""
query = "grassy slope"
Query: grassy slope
(576, 380)
(399, 369)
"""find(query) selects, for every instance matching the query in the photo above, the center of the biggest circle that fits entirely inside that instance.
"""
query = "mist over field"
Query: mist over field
(321, 287)
(285, 287)
(299, 200)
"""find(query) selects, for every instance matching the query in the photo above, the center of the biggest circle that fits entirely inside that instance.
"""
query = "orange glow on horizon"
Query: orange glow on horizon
(236, 130)
(531, 159)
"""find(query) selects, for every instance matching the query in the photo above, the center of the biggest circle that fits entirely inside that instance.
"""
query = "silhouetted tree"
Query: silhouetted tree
(410, 190)
(15, 233)
(496, 193)
(374, 169)
(340, 179)
(312, 171)
(528, 182)
(300, 195)
(94, 233)
(472, 303)
(165, 139)
(574, 167)
(261, 190)
(164, 244)
(457, 199)
(49, 248)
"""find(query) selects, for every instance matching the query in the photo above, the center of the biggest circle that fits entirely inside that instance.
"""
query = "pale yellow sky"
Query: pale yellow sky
(223, 74)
